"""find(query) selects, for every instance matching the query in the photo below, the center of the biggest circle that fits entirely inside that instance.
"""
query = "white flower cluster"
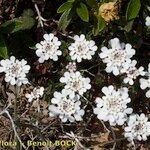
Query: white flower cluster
(82, 48)
(113, 106)
(131, 72)
(15, 70)
(138, 128)
(145, 83)
(67, 108)
(67, 103)
(35, 94)
(48, 49)
(118, 60)
(118, 55)
(147, 21)
(71, 67)
(75, 83)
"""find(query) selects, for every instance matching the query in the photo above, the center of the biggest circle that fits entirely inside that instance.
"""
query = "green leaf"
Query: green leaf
(64, 20)
(3, 48)
(95, 26)
(27, 23)
(101, 24)
(83, 12)
(71, 1)
(92, 3)
(28, 13)
(22, 23)
(133, 9)
(65, 6)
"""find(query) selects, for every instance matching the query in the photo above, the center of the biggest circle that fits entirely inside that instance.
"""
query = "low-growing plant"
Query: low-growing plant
(83, 75)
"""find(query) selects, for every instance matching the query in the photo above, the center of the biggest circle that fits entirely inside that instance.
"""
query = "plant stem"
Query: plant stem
(15, 112)
(38, 111)
(15, 102)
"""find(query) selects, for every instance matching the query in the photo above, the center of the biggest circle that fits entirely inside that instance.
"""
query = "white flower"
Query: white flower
(116, 56)
(138, 127)
(48, 49)
(75, 83)
(148, 94)
(66, 108)
(113, 106)
(15, 70)
(82, 49)
(35, 94)
(132, 72)
(147, 21)
(71, 66)
(145, 83)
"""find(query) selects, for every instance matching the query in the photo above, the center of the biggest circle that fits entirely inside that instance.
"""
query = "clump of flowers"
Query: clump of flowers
(117, 56)
(75, 83)
(109, 11)
(113, 106)
(145, 83)
(82, 48)
(49, 48)
(132, 72)
(15, 70)
(138, 128)
(36, 94)
(147, 21)
(65, 107)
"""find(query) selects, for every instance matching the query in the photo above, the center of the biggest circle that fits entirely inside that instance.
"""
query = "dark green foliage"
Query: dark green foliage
(64, 7)
(82, 12)
(3, 48)
(26, 21)
(133, 9)
(64, 20)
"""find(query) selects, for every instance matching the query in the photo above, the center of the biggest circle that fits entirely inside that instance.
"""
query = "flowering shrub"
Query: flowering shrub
(84, 75)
